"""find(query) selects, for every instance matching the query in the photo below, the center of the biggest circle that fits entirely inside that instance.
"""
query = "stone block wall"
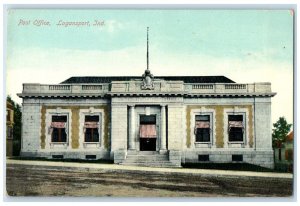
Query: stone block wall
(263, 125)
(258, 149)
(175, 127)
(36, 119)
(119, 128)
(258, 145)
(31, 121)
(175, 157)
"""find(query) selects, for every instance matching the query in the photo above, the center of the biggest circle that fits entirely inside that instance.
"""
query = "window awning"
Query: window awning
(202, 124)
(148, 131)
(91, 124)
(58, 124)
(236, 124)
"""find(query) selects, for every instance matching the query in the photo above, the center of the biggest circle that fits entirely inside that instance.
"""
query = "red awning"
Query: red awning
(200, 124)
(91, 124)
(58, 124)
(148, 131)
(236, 124)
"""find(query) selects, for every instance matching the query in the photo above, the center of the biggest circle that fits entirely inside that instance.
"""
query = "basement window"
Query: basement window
(203, 158)
(90, 157)
(237, 158)
(57, 156)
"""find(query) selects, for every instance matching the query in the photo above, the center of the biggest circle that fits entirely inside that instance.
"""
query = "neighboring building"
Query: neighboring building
(133, 120)
(284, 153)
(9, 128)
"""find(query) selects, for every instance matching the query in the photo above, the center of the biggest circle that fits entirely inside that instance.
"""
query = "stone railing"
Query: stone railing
(236, 86)
(202, 86)
(228, 88)
(91, 87)
(177, 87)
(65, 88)
(59, 87)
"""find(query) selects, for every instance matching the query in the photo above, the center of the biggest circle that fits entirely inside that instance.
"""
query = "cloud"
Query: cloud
(113, 25)
(35, 65)
(240, 70)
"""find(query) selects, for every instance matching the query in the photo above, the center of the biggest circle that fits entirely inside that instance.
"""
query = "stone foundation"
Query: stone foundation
(260, 158)
(68, 154)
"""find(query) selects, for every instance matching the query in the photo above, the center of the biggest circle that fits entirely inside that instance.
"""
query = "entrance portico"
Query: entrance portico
(147, 128)
(141, 111)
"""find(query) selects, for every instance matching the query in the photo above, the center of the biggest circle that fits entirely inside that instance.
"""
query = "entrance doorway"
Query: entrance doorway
(148, 134)
(148, 144)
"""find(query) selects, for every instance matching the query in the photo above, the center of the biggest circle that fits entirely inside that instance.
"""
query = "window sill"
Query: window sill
(236, 144)
(59, 145)
(91, 144)
(58, 142)
(203, 144)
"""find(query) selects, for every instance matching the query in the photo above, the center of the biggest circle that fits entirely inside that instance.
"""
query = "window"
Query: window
(289, 154)
(7, 115)
(58, 128)
(9, 131)
(235, 128)
(91, 128)
(147, 119)
(279, 154)
(202, 128)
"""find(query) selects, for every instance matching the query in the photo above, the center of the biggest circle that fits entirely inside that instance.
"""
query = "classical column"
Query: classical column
(131, 127)
(163, 128)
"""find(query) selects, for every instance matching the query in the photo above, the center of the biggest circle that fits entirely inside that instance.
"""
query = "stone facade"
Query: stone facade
(169, 106)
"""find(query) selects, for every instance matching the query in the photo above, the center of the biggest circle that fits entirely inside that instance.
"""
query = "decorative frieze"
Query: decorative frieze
(145, 100)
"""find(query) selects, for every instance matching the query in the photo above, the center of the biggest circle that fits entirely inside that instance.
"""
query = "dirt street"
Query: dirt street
(28, 180)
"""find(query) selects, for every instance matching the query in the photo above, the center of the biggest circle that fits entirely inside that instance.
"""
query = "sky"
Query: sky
(246, 46)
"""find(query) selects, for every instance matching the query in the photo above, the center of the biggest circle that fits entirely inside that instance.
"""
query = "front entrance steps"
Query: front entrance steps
(148, 159)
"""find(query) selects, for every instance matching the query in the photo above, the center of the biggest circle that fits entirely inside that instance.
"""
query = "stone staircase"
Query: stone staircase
(148, 159)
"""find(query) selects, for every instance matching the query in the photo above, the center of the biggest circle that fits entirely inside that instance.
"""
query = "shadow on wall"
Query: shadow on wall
(230, 166)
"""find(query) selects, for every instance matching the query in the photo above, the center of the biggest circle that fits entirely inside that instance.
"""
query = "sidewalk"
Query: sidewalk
(113, 167)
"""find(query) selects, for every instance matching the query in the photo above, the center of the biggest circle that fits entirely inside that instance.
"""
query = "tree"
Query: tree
(280, 131)
(17, 126)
